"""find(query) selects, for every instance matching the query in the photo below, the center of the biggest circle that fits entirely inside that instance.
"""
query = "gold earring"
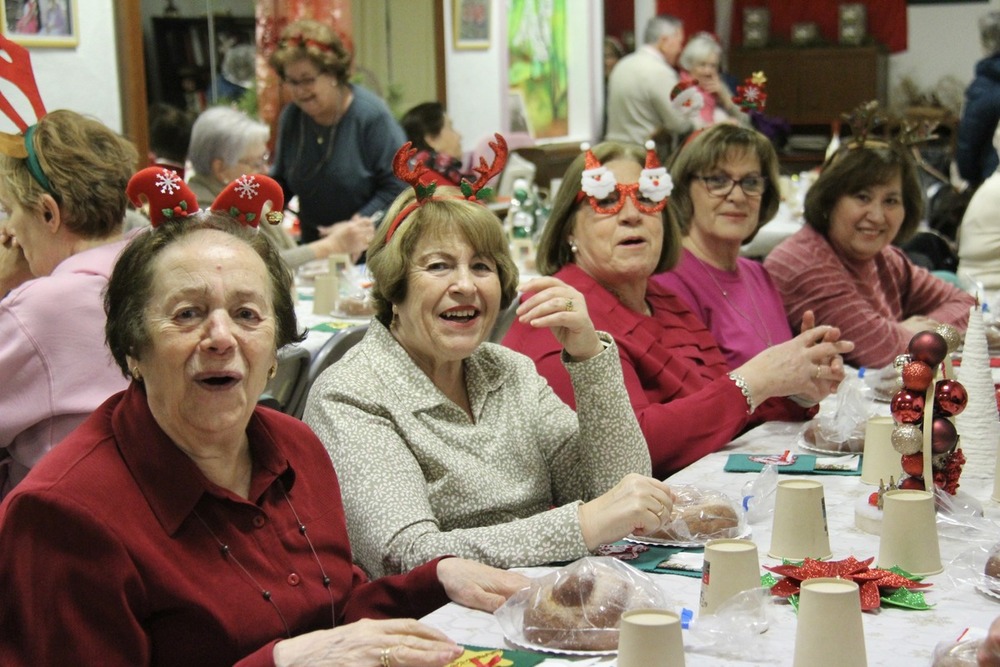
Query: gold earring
(136, 374)
(274, 371)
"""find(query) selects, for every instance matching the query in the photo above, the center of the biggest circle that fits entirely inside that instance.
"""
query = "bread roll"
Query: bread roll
(699, 522)
(580, 612)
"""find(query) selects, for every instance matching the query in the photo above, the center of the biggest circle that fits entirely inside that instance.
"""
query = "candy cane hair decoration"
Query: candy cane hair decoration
(476, 191)
(165, 196)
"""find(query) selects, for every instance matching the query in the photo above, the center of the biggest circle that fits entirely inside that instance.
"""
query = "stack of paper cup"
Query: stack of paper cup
(799, 529)
(909, 532)
(830, 631)
(730, 567)
(650, 638)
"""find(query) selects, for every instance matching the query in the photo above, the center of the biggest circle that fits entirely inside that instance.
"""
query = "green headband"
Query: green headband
(34, 168)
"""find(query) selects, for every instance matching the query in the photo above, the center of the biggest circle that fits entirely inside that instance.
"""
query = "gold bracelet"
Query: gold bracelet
(744, 388)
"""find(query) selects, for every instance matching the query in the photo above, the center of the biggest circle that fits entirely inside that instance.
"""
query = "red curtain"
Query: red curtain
(619, 19)
(697, 15)
(886, 19)
(272, 17)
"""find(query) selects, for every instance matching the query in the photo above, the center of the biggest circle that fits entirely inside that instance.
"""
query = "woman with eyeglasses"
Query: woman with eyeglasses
(225, 145)
(607, 235)
(336, 139)
(725, 190)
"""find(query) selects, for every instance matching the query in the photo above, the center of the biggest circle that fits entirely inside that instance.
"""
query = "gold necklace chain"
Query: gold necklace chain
(765, 337)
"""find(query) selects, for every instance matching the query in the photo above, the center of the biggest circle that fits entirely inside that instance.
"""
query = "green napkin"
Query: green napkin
(334, 326)
(805, 464)
(649, 561)
(509, 657)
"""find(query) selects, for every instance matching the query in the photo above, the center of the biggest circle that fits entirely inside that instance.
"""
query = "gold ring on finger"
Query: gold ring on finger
(569, 305)
(386, 660)
(659, 513)
(819, 369)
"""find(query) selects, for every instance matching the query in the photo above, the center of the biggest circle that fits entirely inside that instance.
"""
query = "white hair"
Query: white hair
(664, 24)
(698, 49)
(224, 133)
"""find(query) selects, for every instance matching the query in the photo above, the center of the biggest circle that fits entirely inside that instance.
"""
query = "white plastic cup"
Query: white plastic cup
(730, 567)
(829, 631)
(881, 461)
(799, 530)
(909, 532)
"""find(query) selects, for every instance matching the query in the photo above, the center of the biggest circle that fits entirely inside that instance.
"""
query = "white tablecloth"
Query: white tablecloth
(893, 636)
(784, 224)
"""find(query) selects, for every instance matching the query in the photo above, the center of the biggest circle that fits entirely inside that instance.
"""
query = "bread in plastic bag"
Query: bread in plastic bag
(578, 607)
(699, 516)
(842, 429)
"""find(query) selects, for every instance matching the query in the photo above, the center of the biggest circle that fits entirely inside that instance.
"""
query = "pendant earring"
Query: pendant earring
(274, 371)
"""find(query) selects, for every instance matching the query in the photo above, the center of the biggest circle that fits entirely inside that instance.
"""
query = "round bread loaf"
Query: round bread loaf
(580, 613)
(699, 522)
(993, 572)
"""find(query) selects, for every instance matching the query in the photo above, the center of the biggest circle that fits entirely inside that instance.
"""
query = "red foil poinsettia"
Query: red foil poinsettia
(869, 580)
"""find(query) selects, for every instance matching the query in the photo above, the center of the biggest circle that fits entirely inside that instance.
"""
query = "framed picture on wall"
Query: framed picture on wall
(41, 23)
(471, 20)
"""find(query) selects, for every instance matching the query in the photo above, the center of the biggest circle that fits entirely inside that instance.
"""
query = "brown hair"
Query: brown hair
(390, 263)
(131, 285)
(553, 248)
(311, 40)
(88, 166)
(858, 167)
(706, 151)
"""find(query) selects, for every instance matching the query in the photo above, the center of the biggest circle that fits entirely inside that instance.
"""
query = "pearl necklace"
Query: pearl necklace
(765, 336)
(264, 593)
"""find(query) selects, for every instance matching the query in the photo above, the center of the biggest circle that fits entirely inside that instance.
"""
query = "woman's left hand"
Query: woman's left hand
(561, 308)
(476, 585)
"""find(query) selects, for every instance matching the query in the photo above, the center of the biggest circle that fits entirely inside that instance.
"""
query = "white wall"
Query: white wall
(84, 78)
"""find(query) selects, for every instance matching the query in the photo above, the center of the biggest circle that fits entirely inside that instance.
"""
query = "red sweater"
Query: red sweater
(106, 563)
(675, 373)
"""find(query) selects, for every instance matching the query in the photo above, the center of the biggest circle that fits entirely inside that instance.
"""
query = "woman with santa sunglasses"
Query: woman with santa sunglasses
(606, 237)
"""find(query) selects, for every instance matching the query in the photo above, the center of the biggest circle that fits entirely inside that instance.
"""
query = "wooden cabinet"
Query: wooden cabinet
(183, 56)
(814, 86)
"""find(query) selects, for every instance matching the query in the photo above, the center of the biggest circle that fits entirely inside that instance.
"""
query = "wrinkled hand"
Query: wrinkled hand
(361, 643)
(561, 308)
(711, 84)
(637, 504)
(350, 236)
(809, 365)
(14, 268)
(989, 650)
(476, 585)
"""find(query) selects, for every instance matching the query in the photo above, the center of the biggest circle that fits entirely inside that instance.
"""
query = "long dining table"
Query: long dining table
(893, 635)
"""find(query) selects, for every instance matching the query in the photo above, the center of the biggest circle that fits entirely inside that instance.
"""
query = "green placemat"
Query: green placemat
(335, 326)
(479, 656)
(804, 464)
(651, 559)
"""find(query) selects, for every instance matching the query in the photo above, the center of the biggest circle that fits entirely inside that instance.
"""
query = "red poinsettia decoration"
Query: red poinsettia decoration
(869, 580)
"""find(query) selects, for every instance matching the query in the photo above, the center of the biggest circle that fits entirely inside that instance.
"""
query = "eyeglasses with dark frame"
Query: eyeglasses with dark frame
(720, 185)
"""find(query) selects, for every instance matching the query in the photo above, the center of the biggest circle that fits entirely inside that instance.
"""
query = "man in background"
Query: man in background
(640, 84)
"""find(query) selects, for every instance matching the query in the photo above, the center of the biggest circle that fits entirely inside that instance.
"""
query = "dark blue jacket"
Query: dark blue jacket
(975, 154)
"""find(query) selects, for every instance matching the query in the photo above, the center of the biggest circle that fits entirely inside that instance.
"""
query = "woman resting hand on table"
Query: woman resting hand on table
(842, 265)
(726, 189)
(450, 444)
(182, 524)
(606, 237)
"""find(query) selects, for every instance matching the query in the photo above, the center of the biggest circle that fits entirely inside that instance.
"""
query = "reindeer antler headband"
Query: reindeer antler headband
(476, 191)
(247, 199)
(18, 71)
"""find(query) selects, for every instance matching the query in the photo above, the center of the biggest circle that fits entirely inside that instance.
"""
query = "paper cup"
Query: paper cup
(829, 631)
(799, 530)
(881, 461)
(909, 532)
(326, 293)
(650, 638)
(730, 567)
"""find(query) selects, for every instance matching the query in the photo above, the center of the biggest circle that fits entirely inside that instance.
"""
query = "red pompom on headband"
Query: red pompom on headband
(166, 196)
(476, 191)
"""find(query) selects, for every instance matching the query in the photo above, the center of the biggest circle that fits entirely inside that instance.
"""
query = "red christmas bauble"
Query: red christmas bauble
(929, 347)
(911, 484)
(913, 464)
(907, 406)
(943, 435)
(917, 376)
(950, 397)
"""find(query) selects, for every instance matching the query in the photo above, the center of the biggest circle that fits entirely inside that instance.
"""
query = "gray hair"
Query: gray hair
(698, 49)
(224, 133)
(664, 24)
(989, 32)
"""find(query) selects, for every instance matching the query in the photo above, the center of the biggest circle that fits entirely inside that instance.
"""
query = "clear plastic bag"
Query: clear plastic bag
(699, 516)
(961, 653)
(578, 607)
(842, 429)
(758, 495)
(734, 628)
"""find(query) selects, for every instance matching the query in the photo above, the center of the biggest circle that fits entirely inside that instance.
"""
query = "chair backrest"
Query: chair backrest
(283, 391)
(504, 320)
(331, 352)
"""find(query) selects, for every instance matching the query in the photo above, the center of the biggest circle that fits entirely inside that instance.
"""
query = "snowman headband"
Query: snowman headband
(164, 195)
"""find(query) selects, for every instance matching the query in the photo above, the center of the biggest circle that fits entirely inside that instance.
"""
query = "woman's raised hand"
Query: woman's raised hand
(404, 642)
(637, 504)
(561, 308)
(809, 365)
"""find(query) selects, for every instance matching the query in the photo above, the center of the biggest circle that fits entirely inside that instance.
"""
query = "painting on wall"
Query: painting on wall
(41, 23)
(538, 70)
(472, 24)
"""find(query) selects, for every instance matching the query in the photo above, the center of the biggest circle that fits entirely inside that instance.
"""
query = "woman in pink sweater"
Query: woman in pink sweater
(842, 266)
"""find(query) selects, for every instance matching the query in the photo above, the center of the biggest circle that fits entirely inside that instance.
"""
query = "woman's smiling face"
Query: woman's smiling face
(864, 222)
